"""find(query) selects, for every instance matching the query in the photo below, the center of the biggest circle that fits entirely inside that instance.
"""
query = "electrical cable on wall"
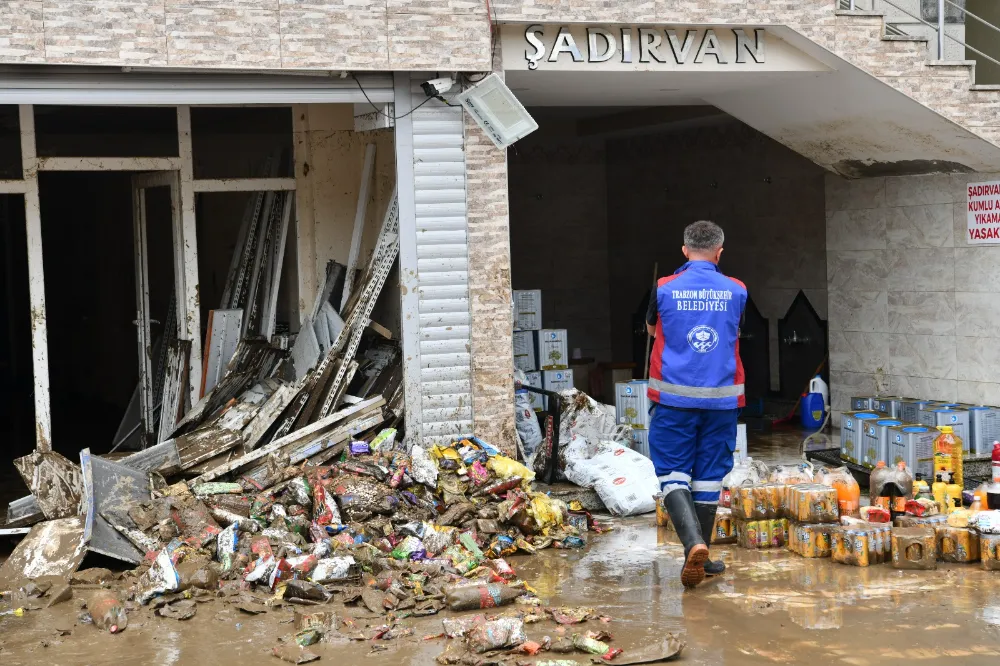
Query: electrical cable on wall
(383, 113)
(491, 20)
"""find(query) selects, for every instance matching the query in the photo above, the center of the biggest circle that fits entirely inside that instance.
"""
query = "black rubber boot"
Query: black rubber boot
(680, 506)
(706, 517)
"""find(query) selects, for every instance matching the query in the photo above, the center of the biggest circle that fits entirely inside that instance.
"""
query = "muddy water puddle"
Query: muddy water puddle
(769, 607)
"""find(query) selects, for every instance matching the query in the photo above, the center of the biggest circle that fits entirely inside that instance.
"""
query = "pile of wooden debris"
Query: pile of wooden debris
(273, 403)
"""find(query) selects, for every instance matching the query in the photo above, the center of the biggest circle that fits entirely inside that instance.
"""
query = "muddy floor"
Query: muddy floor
(769, 607)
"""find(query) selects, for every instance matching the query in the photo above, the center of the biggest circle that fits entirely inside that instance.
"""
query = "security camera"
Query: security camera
(436, 87)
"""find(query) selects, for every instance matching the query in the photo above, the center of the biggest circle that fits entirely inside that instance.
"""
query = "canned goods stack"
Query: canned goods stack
(810, 539)
(757, 502)
(914, 548)
(723, 531)
(761, 534)
(812, 503)
(757, 515)
(957, 544)
(989, 548)
(861, 546)
(920, 521)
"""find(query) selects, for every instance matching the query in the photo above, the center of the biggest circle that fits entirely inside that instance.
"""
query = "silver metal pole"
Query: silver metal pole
(852, 5)
(940, 30)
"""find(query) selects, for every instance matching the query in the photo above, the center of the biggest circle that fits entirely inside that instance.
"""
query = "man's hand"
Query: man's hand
(651, 330)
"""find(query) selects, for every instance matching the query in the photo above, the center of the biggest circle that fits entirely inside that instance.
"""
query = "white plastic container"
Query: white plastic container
(817, 385)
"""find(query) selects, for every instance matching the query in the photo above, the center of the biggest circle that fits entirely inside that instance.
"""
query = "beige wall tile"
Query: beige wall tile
(438, 41)
(924, 387)
(436, 7)
(978, 315)
(977, 268)
(922, 356)
(844, 194)
(863, 311)
(978, 359)
(921, 269)
(978, 393)
(221, 4)
(920, 226)
(333, 5)
(851, 351)
(332, 38)
(22, 38)
(920, 190)
(223, 37)
(921, 312)
(861, 229)
(104, 32)
(857, 270)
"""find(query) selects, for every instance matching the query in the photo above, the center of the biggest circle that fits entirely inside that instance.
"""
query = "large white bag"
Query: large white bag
(625, 480)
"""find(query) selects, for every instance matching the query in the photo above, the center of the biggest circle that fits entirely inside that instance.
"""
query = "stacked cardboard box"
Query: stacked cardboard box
(542, 354)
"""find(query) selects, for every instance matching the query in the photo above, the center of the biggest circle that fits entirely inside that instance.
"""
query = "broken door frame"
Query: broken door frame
(140, 183)
(185, 241)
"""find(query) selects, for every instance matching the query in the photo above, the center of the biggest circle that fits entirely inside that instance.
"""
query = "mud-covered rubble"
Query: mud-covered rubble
(355, 548)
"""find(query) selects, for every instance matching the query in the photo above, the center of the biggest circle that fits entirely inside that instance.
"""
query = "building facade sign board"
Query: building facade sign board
(646, 48)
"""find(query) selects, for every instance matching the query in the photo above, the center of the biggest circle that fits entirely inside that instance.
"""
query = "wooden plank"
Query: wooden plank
(359, 222)
(36, 281)
(314, 447)
(186, 244)
(244, 185)
(203, 444)
(381, 330)
(267, 415)
(162, 456)
(314, 429)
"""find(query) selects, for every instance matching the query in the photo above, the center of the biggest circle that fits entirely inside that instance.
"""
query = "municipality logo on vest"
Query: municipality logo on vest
(703, 339)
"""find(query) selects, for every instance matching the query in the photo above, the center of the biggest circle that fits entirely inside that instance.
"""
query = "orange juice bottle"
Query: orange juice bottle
(848, 494)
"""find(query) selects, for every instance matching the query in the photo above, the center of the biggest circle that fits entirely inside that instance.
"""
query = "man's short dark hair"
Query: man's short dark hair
(703, 236)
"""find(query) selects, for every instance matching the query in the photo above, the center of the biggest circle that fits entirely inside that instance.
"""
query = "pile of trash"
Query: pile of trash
(397, 532)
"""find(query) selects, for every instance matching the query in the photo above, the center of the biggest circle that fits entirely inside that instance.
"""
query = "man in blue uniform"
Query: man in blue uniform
(696, 390)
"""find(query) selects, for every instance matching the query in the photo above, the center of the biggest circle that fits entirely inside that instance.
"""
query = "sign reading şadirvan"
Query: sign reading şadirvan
(645, 48)
(983, 210)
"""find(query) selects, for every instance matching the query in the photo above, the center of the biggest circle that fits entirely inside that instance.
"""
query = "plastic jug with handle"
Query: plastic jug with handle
(817, 385)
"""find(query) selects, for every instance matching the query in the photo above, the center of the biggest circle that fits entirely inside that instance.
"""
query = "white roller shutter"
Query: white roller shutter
(434, 258)
(35, 84)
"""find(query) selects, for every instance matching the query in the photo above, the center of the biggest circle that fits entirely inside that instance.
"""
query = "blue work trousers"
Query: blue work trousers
(692, 449)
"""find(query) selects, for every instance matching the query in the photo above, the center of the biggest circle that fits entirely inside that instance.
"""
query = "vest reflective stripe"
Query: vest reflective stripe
(730, 391)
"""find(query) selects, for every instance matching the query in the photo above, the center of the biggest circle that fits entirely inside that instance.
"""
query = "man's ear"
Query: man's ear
(687, 253)
(718, 255)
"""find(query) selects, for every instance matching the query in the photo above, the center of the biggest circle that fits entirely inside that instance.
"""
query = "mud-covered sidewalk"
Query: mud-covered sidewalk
(770, 607)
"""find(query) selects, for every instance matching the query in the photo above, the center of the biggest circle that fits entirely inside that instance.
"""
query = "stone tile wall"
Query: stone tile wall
(913, 307)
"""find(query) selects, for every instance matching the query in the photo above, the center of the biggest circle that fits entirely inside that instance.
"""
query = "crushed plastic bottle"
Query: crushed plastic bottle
(107, 611)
